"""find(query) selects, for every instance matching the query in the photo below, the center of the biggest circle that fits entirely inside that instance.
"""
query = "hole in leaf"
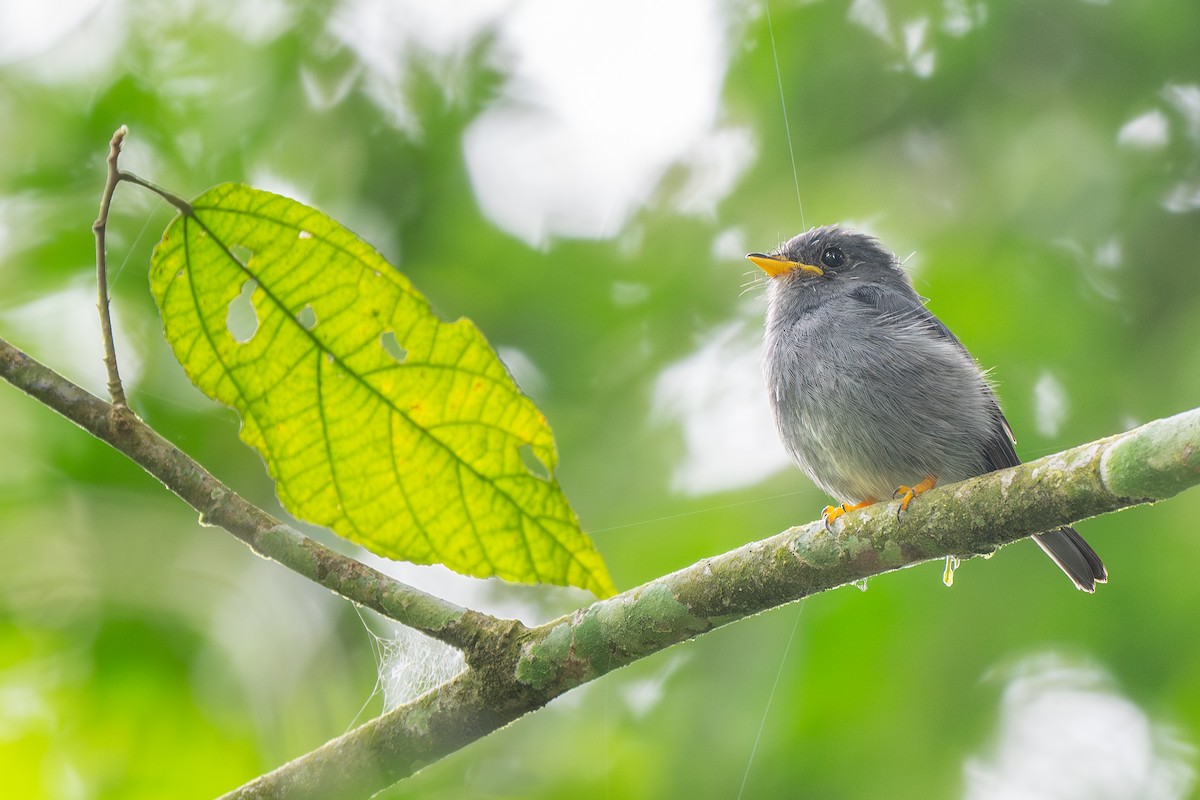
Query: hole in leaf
(393, 347)
(532, 463)
(307, 318)
(242, 253)
(242, 320)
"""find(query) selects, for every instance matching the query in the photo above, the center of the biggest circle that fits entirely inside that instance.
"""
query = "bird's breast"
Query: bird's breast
(864, 404)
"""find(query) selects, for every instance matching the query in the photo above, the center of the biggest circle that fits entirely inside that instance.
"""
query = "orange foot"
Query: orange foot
(831, 513)
(905, 494)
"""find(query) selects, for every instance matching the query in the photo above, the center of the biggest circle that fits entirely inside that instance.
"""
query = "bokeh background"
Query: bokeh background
(582, 180)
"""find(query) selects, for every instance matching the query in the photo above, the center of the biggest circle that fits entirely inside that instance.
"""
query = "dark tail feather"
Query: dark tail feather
(1074, 556)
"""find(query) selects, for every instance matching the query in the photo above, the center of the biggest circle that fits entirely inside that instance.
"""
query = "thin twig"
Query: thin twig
(115, 390)
(182, 205)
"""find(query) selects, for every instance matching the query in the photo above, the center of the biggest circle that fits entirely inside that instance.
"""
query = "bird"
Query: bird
(873, 396)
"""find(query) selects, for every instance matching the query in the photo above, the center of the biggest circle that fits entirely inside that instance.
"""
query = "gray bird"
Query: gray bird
(873, 396)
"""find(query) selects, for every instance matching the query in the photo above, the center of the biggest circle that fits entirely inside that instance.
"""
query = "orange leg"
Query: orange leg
(905, 494)
(831, 513)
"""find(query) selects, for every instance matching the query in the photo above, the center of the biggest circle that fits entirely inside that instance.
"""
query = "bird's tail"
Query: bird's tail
(1074, 556)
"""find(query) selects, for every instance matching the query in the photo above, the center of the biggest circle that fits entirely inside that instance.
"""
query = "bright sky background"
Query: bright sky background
(598, 103)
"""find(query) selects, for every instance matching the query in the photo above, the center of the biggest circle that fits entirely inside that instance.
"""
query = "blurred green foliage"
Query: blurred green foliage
(1042, 161)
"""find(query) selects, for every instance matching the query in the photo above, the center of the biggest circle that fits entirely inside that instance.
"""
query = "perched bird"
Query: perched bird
(873, 396)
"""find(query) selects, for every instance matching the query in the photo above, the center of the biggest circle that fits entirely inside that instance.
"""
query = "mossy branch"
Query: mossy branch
(220, 506)
(514, 670)
(1145, 465)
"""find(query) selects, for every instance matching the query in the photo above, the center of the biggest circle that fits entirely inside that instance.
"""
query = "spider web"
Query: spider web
(408, 663)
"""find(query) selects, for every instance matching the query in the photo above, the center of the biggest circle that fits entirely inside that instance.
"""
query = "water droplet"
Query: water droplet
(952, 563)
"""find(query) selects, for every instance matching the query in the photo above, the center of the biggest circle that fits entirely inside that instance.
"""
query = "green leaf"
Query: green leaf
(377, 419)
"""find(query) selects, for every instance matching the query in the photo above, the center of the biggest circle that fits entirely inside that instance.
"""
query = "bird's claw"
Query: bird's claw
(831, 513)
(906, 494)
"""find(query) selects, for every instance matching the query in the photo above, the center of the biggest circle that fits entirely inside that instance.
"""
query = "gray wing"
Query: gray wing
(1065, 546)
(998, 449)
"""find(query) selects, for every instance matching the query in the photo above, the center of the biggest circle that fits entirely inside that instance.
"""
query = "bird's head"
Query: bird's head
(828, 256)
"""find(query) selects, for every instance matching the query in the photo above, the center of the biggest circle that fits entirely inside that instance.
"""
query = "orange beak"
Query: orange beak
(775, 266)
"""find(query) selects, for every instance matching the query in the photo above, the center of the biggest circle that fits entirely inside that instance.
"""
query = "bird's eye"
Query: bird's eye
(832, 257)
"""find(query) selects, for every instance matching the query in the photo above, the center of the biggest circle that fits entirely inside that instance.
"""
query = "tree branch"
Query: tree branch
(116, 391)
(513, 670)
(1151, 463)
(219, 505)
